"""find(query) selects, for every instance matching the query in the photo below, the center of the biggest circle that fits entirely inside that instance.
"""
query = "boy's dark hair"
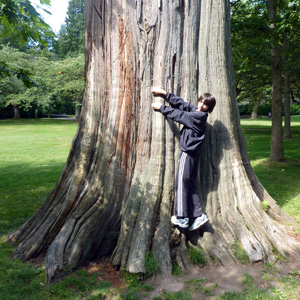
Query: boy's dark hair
(208, 100)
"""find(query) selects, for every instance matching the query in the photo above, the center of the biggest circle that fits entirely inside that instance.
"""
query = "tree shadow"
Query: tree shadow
(217, 141)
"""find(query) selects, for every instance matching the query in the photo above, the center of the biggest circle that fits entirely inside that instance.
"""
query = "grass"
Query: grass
(176, 270)
(151, 264)
(281, 179)
(32, 156)
(180, 295)
(250, 292)
(240, 253)
(200, 285)
(20, 281)
(196, 255)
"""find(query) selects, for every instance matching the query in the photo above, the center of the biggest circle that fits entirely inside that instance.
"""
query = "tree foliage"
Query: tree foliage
(71, 35)
(251, 44)
(251, 49)
(22, 23)
(57, 82)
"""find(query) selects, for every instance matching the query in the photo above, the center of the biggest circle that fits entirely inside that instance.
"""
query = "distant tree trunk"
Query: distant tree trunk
(276, 140)
(77, 111)
(255, 110)
(287, 96)
(17, 113)
(115, 194)
(287, 104)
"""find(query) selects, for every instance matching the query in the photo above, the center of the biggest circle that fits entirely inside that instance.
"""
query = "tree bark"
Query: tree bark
(255, 110)
(287, 104)
(17, 113)
(287, 95)
(276, 153)
(77, 111)
(115, 194)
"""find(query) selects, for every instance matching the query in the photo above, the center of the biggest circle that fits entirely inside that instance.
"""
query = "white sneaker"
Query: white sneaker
(199, 222)
(181, 222)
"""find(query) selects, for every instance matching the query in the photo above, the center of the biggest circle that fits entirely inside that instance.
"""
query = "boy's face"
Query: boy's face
(202, 106)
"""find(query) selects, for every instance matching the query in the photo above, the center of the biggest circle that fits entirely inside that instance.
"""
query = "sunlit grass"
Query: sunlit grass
(264, 122)
(281, 179)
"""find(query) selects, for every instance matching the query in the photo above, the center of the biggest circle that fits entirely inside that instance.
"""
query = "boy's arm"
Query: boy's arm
(175, 101)
(179, 103)
(158, 92)
(185, 118)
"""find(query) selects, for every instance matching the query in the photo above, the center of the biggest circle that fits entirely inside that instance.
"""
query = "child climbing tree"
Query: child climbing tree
(115, 194)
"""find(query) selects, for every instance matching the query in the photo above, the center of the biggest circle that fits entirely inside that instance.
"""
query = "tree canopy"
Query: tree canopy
(35, 76)
(56, 82)
(71, 35)
(251, 44)
(22, 23)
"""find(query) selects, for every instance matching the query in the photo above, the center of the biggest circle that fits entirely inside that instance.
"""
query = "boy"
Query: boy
(187, 201)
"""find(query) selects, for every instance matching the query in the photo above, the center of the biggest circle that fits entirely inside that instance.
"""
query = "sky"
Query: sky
(58, 10)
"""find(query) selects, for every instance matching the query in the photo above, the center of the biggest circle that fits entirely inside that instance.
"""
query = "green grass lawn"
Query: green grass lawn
(281, 179)
(32, 156)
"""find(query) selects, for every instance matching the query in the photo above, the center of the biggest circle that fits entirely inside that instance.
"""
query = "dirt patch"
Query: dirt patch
(107, 272)
(220, 279)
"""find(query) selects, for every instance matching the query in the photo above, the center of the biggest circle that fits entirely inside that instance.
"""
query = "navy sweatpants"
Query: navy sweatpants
(187, 201)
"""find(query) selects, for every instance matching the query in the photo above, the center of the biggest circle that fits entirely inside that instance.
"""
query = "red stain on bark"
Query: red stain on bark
(126, 97)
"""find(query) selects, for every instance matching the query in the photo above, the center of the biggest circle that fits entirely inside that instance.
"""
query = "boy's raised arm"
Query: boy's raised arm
(158, 92)
(173, 100)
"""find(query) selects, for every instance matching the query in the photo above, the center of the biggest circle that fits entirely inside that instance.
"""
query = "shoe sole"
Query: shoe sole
(199, 225)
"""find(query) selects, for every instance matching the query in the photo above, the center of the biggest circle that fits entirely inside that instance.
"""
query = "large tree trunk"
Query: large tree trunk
(115, 193)
(277, 139)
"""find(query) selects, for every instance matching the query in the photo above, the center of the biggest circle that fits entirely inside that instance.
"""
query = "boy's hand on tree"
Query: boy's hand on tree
(156, 105)
(158, 92)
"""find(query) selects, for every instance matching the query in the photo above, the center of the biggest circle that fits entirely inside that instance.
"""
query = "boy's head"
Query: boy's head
(206, 102)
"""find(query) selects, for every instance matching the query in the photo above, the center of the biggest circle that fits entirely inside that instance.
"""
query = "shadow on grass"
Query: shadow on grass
(23, 189)
(20, 281)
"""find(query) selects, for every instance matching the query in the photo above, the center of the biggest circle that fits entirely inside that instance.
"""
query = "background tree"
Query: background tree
(276, 60)
(115, 193)
(251, 53)
(68, 86)
(58, 84)
(11, 87)
(290, 30)
(71, 35)
(21, 24)
(254, 62)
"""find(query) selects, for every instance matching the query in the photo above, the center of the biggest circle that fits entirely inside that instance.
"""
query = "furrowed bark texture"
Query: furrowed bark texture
(116, 192)
(287, 94)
